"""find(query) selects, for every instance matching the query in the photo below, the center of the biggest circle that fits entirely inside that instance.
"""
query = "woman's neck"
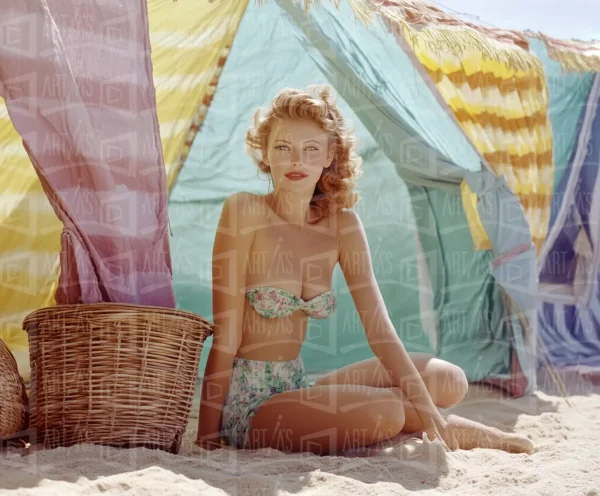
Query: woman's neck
(292, 207)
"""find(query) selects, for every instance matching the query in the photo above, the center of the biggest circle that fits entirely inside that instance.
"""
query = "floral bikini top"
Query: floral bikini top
(271, 303)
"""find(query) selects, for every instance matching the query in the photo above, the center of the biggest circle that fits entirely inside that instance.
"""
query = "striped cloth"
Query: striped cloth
(504, 112)
(187, 58)
(569, 290)
(90, 130)
(573, 55)
(497, 92)
(190, 44)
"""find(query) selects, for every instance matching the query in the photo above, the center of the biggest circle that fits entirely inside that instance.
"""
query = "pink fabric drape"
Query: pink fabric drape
(77, 79)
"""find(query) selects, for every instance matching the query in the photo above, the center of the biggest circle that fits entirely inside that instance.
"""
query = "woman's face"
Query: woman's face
(297, 153)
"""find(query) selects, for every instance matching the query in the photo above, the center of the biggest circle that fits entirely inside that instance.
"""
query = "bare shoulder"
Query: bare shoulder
(348, 222)
(243, 199)
(242, 211)
(350, 234)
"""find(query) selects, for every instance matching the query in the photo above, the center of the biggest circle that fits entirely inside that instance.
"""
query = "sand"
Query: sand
(566, 461)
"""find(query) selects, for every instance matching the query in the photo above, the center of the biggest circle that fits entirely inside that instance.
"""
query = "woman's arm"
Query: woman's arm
(355, 261)
(232, 244)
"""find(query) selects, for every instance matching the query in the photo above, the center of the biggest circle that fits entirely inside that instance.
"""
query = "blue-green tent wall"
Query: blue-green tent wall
(414, 155)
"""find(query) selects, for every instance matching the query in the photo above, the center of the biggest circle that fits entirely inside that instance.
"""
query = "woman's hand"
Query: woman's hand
(438, 430)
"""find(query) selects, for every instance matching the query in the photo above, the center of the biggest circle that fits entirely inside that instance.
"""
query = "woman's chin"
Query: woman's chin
(297, 186)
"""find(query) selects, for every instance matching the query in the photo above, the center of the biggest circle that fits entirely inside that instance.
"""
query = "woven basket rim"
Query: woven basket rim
(82, 307)
(5, 350)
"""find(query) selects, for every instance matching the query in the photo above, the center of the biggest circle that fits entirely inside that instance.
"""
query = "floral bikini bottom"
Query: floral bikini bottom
(253, 382)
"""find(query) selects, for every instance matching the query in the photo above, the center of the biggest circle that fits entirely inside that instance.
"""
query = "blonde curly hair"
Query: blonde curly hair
(335, 188)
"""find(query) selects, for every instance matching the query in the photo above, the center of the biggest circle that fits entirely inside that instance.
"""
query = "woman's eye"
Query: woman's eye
(287, 148)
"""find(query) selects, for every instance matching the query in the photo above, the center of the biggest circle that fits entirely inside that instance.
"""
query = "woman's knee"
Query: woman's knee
(453, 386)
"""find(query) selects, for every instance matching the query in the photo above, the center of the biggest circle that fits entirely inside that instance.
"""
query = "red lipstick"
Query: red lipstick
(295, 176)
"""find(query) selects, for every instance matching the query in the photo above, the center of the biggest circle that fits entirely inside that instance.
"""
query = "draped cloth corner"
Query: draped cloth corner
(81, 95)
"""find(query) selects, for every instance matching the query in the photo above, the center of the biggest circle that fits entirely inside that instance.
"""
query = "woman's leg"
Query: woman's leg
(468, 433)
(327, 420)
(447, 385)
(445, 382)
(471, 434)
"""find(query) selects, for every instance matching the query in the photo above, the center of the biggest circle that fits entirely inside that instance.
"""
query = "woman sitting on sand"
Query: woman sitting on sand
(273, 261)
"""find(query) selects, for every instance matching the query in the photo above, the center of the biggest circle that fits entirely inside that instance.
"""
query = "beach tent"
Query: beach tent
(440, 277)
(448, 193)
(569, 268)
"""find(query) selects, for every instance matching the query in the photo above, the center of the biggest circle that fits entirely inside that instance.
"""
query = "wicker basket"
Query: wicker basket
(13, 396)
(113, 374)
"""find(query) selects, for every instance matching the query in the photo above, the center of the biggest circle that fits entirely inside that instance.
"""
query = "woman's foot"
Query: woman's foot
(471, 434)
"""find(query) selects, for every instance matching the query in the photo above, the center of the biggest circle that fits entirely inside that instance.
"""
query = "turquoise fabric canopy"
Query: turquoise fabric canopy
(567, 97)
(415, 156)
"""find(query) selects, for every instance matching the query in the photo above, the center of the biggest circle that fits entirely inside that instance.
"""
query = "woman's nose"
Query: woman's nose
(296, 156)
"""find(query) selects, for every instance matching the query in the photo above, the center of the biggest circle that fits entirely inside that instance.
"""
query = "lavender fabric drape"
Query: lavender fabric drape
(77, 80)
